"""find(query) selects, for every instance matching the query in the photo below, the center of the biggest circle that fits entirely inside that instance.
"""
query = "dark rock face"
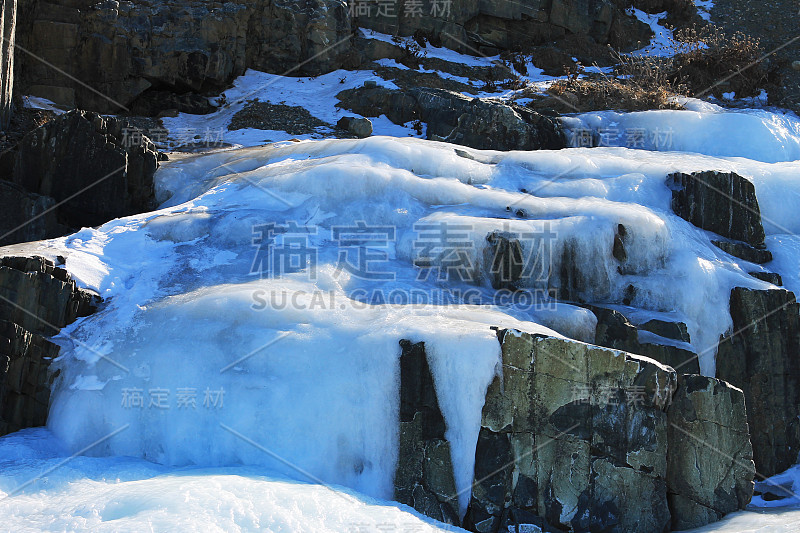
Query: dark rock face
(574, 434)
(762, 359)
(36, 300)
(26, 216)
(97, 166)
(458, 119)
(124, 49)
(744, 251)
(769, 277)
(424, 476)
(710, 466)
(24, 382)
(615, 331)
(724, 203)
(484, 26)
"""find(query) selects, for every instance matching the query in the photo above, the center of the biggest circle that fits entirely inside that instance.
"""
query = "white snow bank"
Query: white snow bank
(710, 130)
(126, 494)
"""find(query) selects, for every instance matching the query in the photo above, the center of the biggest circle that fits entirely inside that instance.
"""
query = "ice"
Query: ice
(203, 355)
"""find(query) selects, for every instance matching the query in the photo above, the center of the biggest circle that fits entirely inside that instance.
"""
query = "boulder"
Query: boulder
(453, 117)
(744, 251)
(761, 358)
(96, 168)
(36, 300)
(722, 202)
(710, 466)
(574, 434)
(360, 127)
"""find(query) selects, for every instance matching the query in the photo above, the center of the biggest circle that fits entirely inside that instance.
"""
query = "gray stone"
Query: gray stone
(576, 435)
(722, 202)
(761, 358)
(710, 467)
(455, 118)
(360, 127)
(744, 251)
(100, 168)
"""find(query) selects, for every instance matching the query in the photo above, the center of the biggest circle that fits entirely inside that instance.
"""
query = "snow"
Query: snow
(704, 8)
(127, 494)
(254, 381)
(660, 44)
(317, 95)
(37, 102)
(754, 134)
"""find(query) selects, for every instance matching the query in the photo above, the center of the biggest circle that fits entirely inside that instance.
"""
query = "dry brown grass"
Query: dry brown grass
(697, 62)
(602, 92)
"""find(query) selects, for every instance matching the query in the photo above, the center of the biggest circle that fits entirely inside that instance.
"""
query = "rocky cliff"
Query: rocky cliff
(104, 56)
(580, 438)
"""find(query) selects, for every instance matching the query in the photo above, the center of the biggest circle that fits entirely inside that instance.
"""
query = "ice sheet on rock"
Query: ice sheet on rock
(183, 300)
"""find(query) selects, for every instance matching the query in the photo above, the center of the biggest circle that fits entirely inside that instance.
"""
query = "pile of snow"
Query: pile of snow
(702, 128)
(126, 494)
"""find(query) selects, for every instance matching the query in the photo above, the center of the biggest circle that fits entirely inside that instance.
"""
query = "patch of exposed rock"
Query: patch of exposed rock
(294, 120)
(761, 358)
(95, 168)
(458, 119)
(576, 438)
(37, 299)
